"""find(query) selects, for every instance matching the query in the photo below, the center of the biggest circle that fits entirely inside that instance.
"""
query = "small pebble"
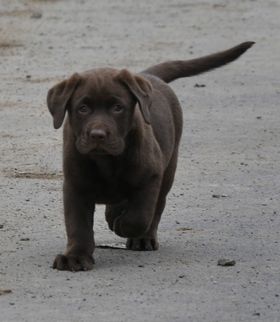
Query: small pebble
(219, 196)
(226, 262)
(5, 291)
(36, 15)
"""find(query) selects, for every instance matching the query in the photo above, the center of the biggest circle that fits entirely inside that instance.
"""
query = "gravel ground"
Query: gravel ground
(224, 202)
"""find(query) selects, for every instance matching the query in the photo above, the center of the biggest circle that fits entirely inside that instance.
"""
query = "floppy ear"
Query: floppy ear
(58, 98)
(140, 88)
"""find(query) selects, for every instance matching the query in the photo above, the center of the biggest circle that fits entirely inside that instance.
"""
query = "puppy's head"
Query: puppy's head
(100, 105)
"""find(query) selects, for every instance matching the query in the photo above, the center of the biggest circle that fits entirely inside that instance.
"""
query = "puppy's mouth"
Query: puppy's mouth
(113, 148)
(98, 151)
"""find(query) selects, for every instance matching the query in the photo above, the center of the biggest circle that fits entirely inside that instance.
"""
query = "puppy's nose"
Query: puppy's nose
(97, 134)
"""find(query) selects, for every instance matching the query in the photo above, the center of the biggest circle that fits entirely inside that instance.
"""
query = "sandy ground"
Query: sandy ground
(230, 147)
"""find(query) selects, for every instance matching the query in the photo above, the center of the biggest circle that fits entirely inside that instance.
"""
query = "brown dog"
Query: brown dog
(121, 142)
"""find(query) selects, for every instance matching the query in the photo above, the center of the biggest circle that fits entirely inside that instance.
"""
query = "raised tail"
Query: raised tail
(172, 70)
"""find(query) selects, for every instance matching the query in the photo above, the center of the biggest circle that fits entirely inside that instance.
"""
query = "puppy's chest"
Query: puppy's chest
(109, 184)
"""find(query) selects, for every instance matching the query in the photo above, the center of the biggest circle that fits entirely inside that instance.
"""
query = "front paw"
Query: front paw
(73, 262)
(143, 244)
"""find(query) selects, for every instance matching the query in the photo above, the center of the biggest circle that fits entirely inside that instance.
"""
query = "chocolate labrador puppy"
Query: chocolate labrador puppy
(121, 141)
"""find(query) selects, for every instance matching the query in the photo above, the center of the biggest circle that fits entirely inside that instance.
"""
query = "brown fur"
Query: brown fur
(121, 141)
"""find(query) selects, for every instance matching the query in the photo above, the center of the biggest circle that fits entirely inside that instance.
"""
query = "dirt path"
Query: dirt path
(225, 201)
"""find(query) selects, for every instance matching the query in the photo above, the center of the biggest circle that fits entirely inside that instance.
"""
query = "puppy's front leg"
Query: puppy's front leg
(138, 216)
(78, 213)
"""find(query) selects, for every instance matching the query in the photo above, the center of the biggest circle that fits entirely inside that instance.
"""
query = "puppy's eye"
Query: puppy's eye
(83, 109)
(117, 108)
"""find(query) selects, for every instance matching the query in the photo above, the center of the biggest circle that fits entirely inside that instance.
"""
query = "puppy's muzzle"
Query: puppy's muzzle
(100, 140)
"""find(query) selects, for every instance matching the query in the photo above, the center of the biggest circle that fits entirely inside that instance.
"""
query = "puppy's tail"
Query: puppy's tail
(172, 70)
